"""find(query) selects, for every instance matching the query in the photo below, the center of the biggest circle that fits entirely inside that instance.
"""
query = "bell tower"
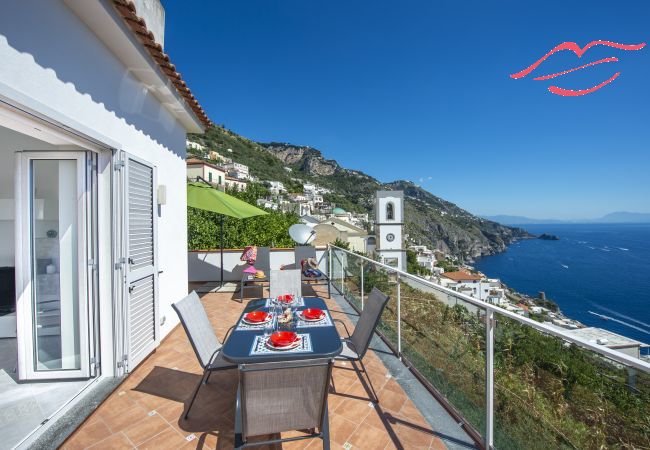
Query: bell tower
(389, 226)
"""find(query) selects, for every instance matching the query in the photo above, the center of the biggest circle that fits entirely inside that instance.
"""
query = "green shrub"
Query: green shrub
(203, 227)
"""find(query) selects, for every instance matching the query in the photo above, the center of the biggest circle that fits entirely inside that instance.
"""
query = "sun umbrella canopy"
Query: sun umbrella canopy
(204, 196)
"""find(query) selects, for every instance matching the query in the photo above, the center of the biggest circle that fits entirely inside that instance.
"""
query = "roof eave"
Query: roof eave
(137, 51)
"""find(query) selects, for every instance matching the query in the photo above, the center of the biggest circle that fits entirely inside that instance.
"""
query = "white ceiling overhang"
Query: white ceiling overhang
(104, 21)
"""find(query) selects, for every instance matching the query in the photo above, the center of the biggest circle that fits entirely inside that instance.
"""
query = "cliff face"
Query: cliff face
(288, 154)
(467, 241)
(430, 220)
(307, 159)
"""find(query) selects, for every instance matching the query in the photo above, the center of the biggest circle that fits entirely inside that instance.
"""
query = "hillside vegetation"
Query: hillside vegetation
(430, 220)
(548, 394)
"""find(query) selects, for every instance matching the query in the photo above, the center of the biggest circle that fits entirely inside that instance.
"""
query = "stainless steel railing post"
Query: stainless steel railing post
(489, 379)
(362, 264)
(343, 276)
(399, 316)
(329, 265)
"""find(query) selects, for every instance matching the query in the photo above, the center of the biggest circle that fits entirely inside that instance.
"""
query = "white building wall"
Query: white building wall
(357, 243)
(237, 167)
(218, 176)
(385, 230)
(50, 57)
(193, 172)
(204, 265)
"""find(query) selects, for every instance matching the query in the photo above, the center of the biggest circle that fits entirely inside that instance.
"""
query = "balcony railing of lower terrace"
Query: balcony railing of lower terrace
(513, 382)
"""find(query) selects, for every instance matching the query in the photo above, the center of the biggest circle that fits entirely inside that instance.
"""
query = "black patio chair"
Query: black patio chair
(356, 344)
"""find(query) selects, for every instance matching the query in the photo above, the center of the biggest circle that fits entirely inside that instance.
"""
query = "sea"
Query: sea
(598, 274)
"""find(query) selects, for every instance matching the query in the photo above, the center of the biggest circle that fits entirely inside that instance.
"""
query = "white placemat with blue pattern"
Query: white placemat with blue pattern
(242, 325)
(259, 346)
(324, 322)
(296, 303)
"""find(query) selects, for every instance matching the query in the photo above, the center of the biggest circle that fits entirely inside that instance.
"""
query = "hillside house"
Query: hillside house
(461, 276)
(194, 145)
(610, 339)
(309, 187)
(266, 203)
(473, 285)
(237, 170)
(352, 234)
(276, 187)
(298, 197)
(302, 208)
(425, 257)
(235, 183)
(218, 157)
(209, 172)
(310, 221)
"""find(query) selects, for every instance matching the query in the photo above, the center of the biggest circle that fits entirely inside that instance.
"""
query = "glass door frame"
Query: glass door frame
(24, 265)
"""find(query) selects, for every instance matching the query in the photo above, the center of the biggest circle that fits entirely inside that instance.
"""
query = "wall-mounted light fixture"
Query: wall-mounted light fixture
(162, 194)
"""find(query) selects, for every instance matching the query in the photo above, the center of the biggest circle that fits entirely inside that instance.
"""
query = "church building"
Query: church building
(389, 226)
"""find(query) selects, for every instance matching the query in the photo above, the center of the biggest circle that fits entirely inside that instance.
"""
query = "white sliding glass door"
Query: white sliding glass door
(54, 302)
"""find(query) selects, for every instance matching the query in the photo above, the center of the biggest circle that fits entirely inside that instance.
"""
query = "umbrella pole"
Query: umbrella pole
(221, 278)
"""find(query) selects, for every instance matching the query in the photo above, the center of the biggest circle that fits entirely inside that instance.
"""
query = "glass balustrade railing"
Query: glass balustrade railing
(550, 393)
(517, 383)
(443, 337)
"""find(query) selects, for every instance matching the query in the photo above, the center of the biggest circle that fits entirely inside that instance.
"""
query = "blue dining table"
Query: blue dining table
(325, 340)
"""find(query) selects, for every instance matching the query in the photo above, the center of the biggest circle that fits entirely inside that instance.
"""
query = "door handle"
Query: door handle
(130, 260)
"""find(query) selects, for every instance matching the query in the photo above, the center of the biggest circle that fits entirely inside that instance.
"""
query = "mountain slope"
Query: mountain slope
(625, 217)
(615, 217)
(521, 220)
(430, 220)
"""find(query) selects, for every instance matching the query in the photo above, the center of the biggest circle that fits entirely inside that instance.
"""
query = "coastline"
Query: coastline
(574, 272)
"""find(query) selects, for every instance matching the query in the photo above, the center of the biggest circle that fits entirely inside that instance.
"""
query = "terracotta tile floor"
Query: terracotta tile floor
(146, 410)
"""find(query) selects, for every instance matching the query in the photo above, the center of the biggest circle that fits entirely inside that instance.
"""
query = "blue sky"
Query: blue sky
(420, 90)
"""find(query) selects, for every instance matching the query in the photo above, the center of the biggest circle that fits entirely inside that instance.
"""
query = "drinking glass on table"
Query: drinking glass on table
(269, 326)
(293, 323)
(279, 313)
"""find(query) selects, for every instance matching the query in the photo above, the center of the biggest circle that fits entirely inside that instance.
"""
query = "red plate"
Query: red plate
(286, 298)
(256, 316)
(283, 338)
(313, 313)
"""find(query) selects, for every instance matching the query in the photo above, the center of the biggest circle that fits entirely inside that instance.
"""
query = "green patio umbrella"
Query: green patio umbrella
(204, 196)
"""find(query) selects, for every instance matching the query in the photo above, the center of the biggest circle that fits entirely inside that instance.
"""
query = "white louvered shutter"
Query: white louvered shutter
(142, 273)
